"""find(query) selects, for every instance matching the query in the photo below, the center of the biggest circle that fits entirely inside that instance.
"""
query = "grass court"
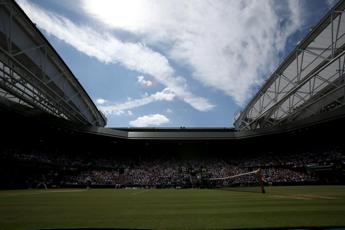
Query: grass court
(294, 206)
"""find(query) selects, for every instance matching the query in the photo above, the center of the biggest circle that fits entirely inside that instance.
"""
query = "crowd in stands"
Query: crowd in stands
(169, 171)
(173, 176)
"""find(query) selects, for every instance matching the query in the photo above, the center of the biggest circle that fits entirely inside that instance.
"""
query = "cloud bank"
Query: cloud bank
(229, 45)
(109, 49)
(143, 82)
(149, 120)
(109, 108)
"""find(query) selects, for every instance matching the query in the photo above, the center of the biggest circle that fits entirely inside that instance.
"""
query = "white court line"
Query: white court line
(42, 192)
(303, 197)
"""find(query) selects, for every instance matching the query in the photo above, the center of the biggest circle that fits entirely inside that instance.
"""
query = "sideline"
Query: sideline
(38, 192)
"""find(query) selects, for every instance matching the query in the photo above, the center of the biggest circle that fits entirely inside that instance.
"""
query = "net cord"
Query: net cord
(234, 176)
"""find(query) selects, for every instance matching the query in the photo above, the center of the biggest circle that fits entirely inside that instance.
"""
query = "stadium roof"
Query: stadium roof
(33, 74)
(23, 121)
(308, 82)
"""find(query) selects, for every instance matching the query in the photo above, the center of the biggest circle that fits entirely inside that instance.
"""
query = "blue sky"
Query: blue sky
(173, 63)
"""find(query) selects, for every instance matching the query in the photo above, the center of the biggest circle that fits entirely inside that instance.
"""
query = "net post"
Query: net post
(261, 180)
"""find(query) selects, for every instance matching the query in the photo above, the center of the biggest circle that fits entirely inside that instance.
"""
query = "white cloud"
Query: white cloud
(229, 45)
(149, 120)
(101, 101)
(144, 82)
(107, 48)
(169, 110)
(165, 95)
(120, 108)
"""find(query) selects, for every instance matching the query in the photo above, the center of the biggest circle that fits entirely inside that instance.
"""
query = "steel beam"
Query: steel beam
(305, 64)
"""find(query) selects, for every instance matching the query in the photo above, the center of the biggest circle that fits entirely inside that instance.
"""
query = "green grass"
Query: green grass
(174, 209)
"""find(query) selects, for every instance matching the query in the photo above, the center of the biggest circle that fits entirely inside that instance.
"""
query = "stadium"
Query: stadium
(281, 166)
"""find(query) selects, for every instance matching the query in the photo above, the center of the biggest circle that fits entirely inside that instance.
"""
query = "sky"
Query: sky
(173, 63)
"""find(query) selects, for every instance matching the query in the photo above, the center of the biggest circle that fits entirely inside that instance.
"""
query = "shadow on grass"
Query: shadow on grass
(296, 228)
(92, 229)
